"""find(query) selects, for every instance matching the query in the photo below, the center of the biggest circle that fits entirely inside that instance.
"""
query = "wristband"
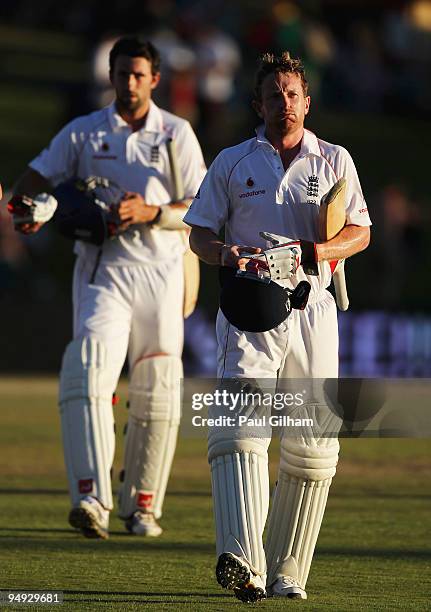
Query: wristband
(309, 258)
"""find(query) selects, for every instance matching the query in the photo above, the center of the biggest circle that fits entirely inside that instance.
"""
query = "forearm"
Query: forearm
(206, 245)
(351, 240)
(31, 183)
(170, 216)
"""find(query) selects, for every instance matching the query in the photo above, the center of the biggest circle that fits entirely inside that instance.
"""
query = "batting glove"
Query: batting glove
(32, 210)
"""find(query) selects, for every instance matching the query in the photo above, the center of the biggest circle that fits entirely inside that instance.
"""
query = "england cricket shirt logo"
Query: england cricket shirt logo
(312, 189)
(155, 154)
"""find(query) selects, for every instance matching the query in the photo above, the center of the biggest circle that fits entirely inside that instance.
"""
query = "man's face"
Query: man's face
(283, 104)
(133, 82)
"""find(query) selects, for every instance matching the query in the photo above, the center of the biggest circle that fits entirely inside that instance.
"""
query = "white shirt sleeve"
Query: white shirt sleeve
(210, 208)
(58, 162)
(356, 207)
(191, 161)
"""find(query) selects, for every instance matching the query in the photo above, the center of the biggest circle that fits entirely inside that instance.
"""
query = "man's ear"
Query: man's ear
(307, 104)
(155, 80)
(257, 107)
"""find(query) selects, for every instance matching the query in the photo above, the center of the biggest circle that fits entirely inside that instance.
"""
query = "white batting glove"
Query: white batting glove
(284, 260)
(39, 209)
(44, 207)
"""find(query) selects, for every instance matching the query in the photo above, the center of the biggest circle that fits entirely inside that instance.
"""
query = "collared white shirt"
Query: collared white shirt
(247, 190)
(103, 144)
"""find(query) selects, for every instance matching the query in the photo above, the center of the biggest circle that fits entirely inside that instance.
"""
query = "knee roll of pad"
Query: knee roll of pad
(309, 462)
(85, 399)
(154, 390)
(154, 416)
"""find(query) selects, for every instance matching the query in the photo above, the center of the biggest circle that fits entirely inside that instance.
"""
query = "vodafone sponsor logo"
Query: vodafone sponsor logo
(363, 210)
(250, 194)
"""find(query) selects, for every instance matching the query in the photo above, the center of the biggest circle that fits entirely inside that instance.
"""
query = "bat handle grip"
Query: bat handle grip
(339, 279)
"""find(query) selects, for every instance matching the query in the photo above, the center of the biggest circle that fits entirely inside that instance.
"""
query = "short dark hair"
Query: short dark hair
(135, 46)
(273, 64)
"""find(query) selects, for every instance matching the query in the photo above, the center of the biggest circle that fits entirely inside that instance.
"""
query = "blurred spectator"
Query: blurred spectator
(101, 92)
(398, 245)
(358, 74)
(218, 60)
(288, 27)
(179, 74)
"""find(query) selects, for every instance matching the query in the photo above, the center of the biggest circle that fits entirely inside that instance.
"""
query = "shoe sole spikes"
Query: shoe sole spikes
(232, 574)
(81, 518)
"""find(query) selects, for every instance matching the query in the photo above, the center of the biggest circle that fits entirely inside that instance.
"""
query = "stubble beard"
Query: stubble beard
(129, 105)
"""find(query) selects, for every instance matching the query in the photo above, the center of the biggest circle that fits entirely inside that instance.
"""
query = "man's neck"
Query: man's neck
(288, 145)
(284, 141)
(135, 118)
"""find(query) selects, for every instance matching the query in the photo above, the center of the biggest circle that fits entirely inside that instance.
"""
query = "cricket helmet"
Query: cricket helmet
(79, 214)
(251, 304)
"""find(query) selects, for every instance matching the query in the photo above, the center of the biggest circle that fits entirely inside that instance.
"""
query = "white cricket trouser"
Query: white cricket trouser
(132, 310)
(304, 346)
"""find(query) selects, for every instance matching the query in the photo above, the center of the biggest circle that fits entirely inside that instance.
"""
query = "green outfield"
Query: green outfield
(373, 553)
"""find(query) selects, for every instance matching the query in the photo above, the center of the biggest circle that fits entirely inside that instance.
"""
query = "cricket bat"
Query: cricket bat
(332, 219)
(190, 260)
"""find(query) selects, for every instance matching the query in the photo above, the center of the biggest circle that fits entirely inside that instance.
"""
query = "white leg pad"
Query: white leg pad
(299, 503)
(86, 387)
(240, 487)
(152, 428)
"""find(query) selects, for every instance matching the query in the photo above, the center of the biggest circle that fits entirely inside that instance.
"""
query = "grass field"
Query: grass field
(373, 552)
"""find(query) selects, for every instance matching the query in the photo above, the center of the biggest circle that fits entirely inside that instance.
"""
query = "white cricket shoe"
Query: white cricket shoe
(91, 518)
(286, 586)
(233, 573)
(143, 524)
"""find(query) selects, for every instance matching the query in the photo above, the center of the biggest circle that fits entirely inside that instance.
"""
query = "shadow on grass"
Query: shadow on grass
(395, 553)
(147, 598)
(363, 492)
(336, 494)
(67, 592)
(32, 530)
(19, 491)
(77, 543)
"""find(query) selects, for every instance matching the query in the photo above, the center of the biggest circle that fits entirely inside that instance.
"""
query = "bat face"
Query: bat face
(332, 211)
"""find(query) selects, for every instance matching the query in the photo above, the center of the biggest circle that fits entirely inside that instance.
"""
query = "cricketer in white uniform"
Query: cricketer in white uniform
(127, 295)
(274, 183)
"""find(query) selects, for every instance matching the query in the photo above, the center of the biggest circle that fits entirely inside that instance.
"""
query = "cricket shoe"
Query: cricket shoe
(143, 524)
(286, 586)
(91, 518)
(232, 573)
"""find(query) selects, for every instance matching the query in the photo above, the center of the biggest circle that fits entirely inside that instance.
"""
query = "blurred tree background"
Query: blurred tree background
(368, 63)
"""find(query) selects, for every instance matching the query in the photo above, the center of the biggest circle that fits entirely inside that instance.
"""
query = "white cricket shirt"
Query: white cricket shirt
(103, 144)
(247, 191)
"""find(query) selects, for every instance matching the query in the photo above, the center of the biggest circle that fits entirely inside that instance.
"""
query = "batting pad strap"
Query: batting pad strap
(313, 462)
(294, 525)
(170, 218)
(240, 486)
(154, 391)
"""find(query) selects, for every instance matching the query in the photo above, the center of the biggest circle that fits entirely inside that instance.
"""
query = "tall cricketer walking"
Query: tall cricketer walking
(127, 290)
(266, 190)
